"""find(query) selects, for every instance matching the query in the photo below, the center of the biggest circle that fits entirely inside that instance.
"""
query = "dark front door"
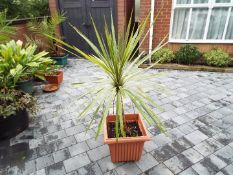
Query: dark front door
(78, 13)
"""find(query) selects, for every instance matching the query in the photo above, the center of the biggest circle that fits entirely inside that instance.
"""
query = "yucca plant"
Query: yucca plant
(122, 81)
(5, 29)
(48, 26)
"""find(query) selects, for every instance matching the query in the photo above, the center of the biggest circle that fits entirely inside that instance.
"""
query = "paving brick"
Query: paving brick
(146, 162)
(225, 154)
(161, 140)
(78, 148)
(93, 143)
(196, 137)
(178, 163)
(98, 153)
(210, 165)
(61, 155)
(66, 142)
(107, 165)
(128, 169)
(56, 169)
(49, 148)
(188, 171)
(208, 147)
(192, 155)
(76, 162)
(44, 161)
(181, 144)
(55, 136)
(160, 169)
(83, 136)
(67, 124)
(112, 172)
(75, 129)
(149, 146)
(164, 153)
(89, 169)
(39, 172)
(23, 168)
(228, 170)
(33, 143)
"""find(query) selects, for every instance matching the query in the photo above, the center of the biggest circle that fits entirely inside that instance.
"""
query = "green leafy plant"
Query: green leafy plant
(47, 27)
(25, 8)
(122, 79)
(12, 100)
(187, 54)
(6, 30)
(217, 57)
(21, 63)
(164, 55)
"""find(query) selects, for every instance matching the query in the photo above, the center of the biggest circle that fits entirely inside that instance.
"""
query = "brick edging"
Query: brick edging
(189, 67)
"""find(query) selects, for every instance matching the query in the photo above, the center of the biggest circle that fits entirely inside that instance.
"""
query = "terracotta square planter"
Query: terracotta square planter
(126, 148)
(55, 79)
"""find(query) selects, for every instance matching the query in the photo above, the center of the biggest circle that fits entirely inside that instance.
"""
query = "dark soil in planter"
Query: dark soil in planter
(132, 130)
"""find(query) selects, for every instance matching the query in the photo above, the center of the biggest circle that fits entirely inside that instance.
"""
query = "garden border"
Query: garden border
(189, 67)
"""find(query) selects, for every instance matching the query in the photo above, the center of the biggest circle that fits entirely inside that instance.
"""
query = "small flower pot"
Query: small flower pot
(25, 86)
(60, 60)
(126, 148)
(55, 78)
(12, 125)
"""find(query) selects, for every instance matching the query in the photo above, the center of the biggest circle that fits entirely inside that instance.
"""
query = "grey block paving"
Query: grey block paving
(147, 161)
(198, 116)
(128, 169)
(76, 162)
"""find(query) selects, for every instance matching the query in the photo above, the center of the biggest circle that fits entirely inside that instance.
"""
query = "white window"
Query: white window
(202, 21)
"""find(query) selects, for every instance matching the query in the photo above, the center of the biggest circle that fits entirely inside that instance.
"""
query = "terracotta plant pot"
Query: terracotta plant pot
(126, 148)
(55, 79)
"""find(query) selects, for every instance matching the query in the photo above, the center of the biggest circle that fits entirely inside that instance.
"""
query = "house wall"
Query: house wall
(162, 27)
(124, 8)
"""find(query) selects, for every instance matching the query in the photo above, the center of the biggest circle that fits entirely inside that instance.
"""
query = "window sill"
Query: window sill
(202, 41)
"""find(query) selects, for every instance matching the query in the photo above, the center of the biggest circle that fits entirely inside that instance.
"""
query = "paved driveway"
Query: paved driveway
(198, 115)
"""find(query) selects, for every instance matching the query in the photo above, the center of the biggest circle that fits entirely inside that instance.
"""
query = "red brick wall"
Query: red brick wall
(162, 24)
(124, 8)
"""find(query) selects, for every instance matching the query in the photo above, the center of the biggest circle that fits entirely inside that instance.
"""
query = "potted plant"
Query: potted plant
(123, 81)
(14, 107)
(54, 76)
(19, 64)
(48, 26)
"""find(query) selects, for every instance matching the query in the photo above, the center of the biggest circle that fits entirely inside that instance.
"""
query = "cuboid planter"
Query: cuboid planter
(126, 148)
(56, 78)
(61, 60)
(12, 125)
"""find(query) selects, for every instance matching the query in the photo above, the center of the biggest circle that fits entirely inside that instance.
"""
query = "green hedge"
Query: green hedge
(25, 8)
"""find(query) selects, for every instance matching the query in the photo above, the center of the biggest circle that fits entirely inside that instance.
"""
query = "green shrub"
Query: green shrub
(217, 57)
(25, 8)
(163, 55)
(187, 54)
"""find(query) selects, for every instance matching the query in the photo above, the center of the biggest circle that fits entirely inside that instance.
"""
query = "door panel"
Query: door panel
(78, 13)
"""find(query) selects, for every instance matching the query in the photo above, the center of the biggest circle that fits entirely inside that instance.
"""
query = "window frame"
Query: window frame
(210, 5)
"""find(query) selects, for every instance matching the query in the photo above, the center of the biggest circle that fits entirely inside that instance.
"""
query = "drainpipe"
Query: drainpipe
(151, 27)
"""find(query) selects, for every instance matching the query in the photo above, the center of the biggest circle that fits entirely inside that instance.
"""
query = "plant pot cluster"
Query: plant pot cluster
(22, 64)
